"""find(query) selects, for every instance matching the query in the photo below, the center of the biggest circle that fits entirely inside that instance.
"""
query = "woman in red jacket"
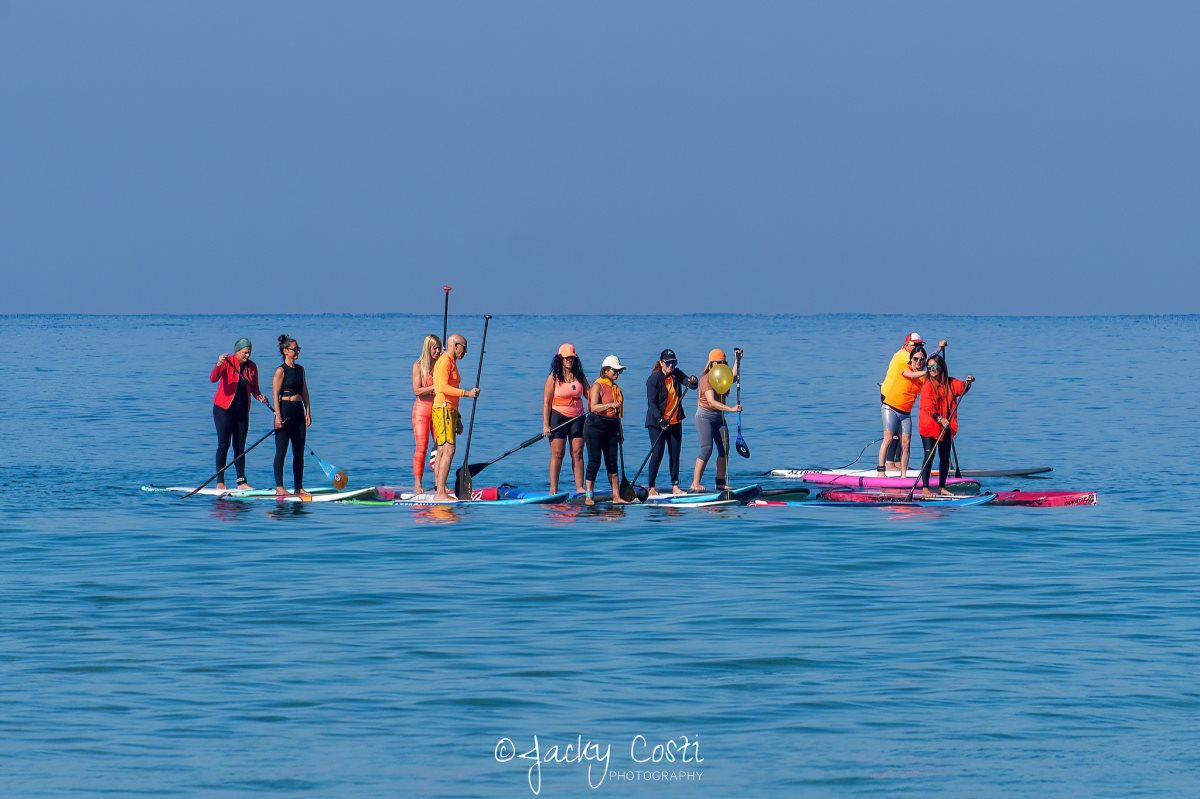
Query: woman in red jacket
(237, 382)
(939, 419)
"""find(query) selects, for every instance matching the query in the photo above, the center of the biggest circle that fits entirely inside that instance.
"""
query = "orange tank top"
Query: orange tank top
(426, 382)
(568, 398)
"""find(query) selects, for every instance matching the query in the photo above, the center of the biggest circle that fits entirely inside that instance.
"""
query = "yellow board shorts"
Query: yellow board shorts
(447, 424)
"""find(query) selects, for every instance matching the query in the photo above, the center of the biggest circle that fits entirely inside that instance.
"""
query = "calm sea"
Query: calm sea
(159, 647)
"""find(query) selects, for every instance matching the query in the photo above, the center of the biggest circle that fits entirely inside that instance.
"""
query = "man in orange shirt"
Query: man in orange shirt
(898, 393)
(447, 423)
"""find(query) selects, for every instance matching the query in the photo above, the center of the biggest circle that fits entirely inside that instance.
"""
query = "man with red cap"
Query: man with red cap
(897, 394)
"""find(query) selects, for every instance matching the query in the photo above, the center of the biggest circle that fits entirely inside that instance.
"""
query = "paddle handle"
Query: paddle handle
(478, 377)
(445, 315)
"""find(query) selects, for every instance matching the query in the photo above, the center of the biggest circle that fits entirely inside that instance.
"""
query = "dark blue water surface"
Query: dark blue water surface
(153, 646)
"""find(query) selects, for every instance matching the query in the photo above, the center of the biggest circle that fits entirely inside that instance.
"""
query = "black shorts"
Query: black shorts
(572, 430)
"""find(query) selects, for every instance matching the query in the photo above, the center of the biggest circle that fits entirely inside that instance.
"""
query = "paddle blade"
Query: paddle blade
(340, 480)
(462, 483)
(742, 447)
(627, 491)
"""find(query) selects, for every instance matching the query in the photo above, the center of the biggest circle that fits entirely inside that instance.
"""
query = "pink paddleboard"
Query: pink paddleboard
(959, 485)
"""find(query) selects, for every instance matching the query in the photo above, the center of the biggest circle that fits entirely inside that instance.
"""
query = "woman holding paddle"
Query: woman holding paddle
(938, 423)
(562, 402)
(422, 409)
(237, 382)
(664, 415)
(293, 415)
(710, 416)
(602, 430)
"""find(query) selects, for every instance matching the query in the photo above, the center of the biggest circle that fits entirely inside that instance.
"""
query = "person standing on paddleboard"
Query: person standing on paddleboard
(938, 420)
(447, 423)
(664, 415)
(897, 393)
(710, 418)
(602, 429)
(293, 415)
(237, 382)
(422, 409)
(562, 401)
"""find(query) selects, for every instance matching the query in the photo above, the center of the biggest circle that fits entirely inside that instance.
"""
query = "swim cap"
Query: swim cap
(240, 343)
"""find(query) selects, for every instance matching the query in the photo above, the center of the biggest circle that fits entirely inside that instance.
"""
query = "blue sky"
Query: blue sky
(276, 157)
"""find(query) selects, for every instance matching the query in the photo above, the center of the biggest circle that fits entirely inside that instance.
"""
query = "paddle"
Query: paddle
(953, 449)
(476, 468)
(743, 448)
(654, 446)
(445, 314)
(626, 489)
(231, 463)
(336, 476)
(929, 456)
(462, 481)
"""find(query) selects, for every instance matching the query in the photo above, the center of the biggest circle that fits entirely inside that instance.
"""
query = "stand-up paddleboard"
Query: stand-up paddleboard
(959, 485)
(1028, 471)
(255, 493)
(901, 497)
(427, 500)
(392, 493)
(1045, 499)
(879, 502)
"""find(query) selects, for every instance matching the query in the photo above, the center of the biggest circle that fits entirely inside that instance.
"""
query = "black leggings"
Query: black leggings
(672, 440)
(601, 435)
(943, 451)
(232, 426)
(294, 431)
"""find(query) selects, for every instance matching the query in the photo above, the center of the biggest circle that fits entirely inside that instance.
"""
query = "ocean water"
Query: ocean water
(164, 647)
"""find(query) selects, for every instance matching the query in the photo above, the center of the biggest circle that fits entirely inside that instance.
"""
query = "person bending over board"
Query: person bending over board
(447, 423)
(422, 409)
(938, 422)
(293, 415)
(237, 382)
(664, 415)
(710, 418)
(562, 401)
(897, 394)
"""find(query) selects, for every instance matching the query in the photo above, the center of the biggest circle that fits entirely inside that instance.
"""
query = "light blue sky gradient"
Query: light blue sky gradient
(278, 157)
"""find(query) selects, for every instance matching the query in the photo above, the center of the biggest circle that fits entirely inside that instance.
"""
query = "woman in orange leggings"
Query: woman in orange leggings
(422, 409)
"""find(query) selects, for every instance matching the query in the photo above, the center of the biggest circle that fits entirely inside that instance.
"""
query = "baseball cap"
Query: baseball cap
(668, 355)
(716, 355)
(914, 338)
(566, 350)
(612, 362)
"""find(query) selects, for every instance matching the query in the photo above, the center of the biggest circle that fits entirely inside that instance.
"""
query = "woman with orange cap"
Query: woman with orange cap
(710, 421)
(563, 414)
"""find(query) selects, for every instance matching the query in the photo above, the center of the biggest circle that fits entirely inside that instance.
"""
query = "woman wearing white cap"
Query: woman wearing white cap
(562, 402)
(602, 430)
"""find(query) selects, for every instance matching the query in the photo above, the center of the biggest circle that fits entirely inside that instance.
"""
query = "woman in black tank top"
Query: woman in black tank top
(293, 415)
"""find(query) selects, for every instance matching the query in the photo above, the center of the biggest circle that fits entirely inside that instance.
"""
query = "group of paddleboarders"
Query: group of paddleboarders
(237, 383)
(579, 415)
(911, 374)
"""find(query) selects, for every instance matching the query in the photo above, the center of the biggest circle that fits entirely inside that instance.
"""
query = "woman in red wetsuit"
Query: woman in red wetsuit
(422, 409)
(563, 412)
(237, 382)
(939, 419)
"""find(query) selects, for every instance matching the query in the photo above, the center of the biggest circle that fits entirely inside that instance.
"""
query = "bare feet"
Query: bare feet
(444, 497)
(245, 487)
(418, 489)
(927, 494)
(221, 487)
(280, 491)
(946, 492)
(696, 489)
(589, 501)
(653, 492)
(304, 495)
(618, 501)
(677, 491)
